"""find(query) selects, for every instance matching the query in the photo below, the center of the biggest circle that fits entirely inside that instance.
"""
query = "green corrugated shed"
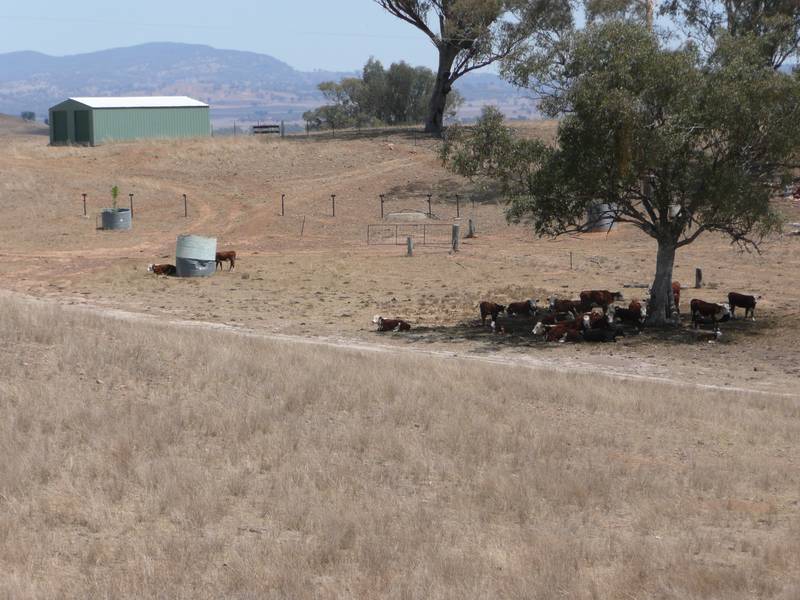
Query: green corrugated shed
(93, 121)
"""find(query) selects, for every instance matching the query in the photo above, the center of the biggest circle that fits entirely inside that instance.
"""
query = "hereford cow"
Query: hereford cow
(706, 310)
(228, 255)
(600, 298)
(490, 309)
(748, 303)
(551, 318)
(390, 324)
(162, 269)
(553, 333)
(566, 306)
(595, 320)
(630, 315)
(526, 308)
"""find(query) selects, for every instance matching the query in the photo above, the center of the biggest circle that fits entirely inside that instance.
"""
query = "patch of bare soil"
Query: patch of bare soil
(310, 274)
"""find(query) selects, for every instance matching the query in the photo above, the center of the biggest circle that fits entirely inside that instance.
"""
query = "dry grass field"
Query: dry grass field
(149, 460)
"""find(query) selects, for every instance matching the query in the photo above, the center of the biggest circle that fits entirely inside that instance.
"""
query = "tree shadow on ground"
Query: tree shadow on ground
(516, 334)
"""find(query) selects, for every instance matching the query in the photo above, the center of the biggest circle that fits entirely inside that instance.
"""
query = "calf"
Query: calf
(228, 255)
(748, 303)
(161, 269)
(390, 324)
(490, 309)
(526, 308)
(601, 298)
(707, 310)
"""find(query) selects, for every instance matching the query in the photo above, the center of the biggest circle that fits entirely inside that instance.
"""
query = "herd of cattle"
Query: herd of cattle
(579, 321)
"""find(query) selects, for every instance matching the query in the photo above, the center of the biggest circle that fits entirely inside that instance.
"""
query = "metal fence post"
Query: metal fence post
(283, 197)
(456, 237)
(333, 205)
(84, 204)
(382, 206)
(131, 197)
(429, 205)
(458, 207)
(185, 206)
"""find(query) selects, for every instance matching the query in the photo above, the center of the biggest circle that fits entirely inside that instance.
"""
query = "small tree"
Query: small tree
(114, 195)
(710, 142)
(28, 115)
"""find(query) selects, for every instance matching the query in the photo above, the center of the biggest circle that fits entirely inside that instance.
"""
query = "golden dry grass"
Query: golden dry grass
(144, 460)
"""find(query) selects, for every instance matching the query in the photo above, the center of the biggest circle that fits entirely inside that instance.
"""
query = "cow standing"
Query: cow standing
(748, 303)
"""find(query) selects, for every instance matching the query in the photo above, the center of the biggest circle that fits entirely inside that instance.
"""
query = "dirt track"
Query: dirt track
(329, 283)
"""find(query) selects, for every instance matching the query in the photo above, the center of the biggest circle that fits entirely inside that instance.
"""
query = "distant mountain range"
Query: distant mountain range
(244, 86)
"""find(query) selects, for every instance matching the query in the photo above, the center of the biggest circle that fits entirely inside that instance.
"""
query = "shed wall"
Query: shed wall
(111, 124)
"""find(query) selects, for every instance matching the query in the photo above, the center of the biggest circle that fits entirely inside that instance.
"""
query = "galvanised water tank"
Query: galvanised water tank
(195, 256)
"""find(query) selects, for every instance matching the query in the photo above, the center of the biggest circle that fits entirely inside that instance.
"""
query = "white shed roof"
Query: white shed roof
(140, 102)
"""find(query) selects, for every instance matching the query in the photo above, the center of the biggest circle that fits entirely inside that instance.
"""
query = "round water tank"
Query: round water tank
(195, 256)
(599, 217)
(116, 219)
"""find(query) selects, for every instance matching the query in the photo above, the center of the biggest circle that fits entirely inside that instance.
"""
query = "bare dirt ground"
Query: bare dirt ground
(329, 283)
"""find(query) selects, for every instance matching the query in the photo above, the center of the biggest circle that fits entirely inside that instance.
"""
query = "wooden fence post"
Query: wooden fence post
(84, 204)
(471, 230)
(410, 246)
(698, 278)
(430, 214)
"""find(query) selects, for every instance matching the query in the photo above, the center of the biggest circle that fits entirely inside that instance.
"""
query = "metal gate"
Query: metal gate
(426, 234)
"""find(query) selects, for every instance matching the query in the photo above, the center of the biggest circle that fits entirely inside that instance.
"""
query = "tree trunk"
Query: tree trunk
(442, 87)
(661, 307)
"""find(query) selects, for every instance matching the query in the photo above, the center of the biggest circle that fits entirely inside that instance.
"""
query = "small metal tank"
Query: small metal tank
(598, 217)
(195, 256)
(115, 219)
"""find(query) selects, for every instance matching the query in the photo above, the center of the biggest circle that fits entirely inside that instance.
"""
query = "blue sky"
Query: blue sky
(307, 34)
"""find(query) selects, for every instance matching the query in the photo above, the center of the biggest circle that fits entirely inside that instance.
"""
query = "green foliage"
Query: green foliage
(28, 115)
(397, 96)
(473, 34)
(771, 26)
(114, 195)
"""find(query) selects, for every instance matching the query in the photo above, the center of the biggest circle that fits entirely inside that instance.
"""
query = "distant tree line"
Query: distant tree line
(398, 95)
(28, 115)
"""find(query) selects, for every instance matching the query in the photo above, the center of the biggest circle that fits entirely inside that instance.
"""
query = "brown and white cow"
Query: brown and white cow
(748, 303)
(566, 306)
(526, 308)
(707, 310)
(600, 298)
(554, 333)
(390, 324)
(161, 269)
(676, 295)
(490, 309)
(227, 255)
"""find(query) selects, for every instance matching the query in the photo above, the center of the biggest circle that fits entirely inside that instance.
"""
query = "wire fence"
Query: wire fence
(425, 234)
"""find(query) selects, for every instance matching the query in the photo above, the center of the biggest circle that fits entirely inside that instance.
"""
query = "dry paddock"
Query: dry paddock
(153, 460)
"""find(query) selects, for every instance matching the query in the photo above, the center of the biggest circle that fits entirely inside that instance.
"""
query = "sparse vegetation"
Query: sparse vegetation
(145, 460)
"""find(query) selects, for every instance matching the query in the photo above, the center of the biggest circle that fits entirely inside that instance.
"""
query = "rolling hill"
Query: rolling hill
(245, 86)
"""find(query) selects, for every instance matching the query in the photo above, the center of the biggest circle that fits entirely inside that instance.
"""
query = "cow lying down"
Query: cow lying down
(162, 269)
(390, 324)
